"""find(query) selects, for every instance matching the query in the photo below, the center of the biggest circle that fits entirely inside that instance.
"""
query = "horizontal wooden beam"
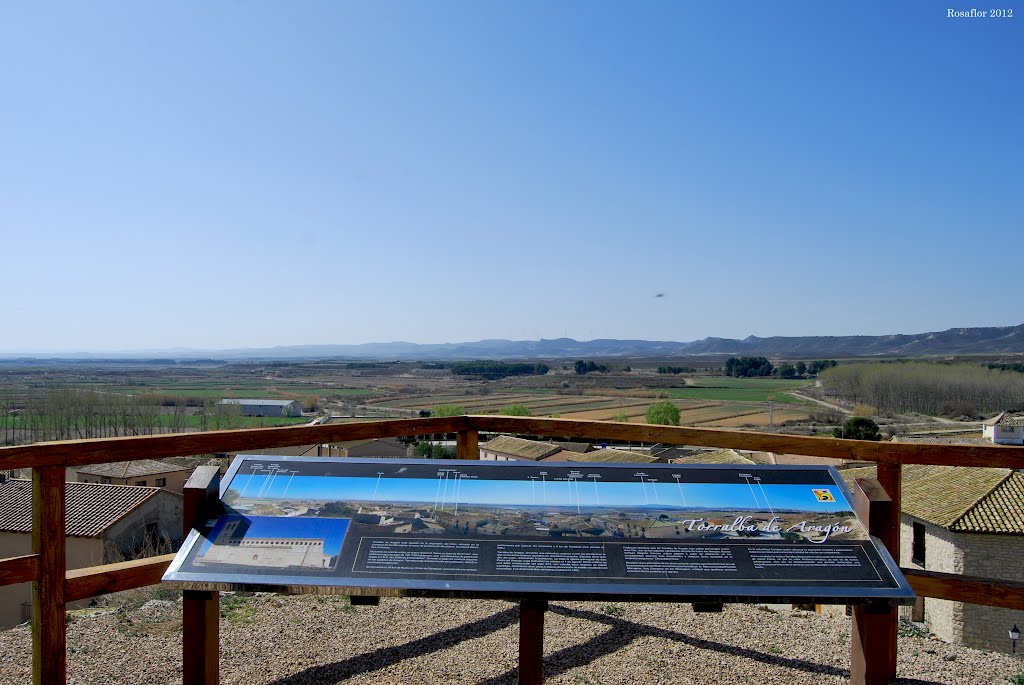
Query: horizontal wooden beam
(106, 450)
(855, 450)
(969, 589)
(19, 569)
(83, 583)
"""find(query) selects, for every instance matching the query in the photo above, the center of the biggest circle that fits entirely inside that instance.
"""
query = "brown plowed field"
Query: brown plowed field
(758, 419)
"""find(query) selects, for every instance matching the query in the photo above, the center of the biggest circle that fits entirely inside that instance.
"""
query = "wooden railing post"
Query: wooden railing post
(873, 639)
(890, 478)
(49, 639)
(467, 446)
(201, 609)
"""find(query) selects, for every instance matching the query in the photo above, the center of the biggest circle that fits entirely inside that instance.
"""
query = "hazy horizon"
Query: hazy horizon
(237, 350)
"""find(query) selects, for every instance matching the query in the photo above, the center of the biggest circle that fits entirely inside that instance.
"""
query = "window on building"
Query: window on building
(161, 482)
(140, 482)
(153, 536)
(917, 551)
(104, 481)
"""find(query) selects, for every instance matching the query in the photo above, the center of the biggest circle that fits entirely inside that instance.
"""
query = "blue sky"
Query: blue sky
(216, 175)
(561, 494)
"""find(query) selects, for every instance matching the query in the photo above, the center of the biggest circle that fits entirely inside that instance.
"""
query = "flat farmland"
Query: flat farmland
(718, 412)
(462, 400)
(539, 404)
(254, 390)
(730, 389)
(759, 419)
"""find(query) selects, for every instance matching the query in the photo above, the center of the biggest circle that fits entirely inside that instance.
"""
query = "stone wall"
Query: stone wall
(990, 556)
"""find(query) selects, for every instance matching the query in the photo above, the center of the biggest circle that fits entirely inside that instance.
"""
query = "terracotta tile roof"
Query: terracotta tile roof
(575, 446)
(716, 457)
(1004, 419)
(130, 469)
(90, 508)
(669, 453)
(347, 444)
(520, 447)
(803, 460)
(605, 455)
(943, 439)
(961, 499)
(293, 451)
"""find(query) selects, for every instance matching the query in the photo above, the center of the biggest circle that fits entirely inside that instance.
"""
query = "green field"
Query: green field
(733, 395)
(194, 423)
(746, 383)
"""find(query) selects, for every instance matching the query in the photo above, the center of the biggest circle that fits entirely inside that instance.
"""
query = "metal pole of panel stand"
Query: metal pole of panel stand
(531, 641)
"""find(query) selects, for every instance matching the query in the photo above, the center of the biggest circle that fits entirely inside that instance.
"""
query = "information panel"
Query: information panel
(477, 528)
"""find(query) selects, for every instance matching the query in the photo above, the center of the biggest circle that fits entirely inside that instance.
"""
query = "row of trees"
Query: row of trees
(65, 414)
(927, 388)
(493, 370)
(752, 367)
(584, 367)
(748, 367)
(676, 370)
(1019, 368)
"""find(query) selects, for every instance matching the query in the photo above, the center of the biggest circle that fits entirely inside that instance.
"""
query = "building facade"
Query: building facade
(103, 524)
(968, 521)
(1004, 429)
(271, 408)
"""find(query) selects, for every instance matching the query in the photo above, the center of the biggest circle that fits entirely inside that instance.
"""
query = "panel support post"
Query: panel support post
(49, 639)
(201, 609)
(531, 641)
(466, 446)
(873, 639)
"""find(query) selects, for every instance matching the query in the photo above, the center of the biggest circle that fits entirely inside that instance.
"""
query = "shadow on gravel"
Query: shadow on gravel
(382, 658)
(623, 632)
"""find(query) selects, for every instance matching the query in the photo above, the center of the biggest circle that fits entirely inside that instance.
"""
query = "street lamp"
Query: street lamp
(1014, 636)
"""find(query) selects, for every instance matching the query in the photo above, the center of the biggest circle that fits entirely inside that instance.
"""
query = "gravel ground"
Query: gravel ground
(269, 639)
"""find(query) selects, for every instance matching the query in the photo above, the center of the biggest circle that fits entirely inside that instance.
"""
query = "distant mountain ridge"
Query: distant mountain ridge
(991, 340)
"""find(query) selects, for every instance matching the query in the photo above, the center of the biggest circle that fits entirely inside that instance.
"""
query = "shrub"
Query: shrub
(662, 413)
(858, 428)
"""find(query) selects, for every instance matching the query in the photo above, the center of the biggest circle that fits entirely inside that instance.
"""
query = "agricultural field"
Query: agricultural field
(693, 412)
(739, 389)
(171, 397)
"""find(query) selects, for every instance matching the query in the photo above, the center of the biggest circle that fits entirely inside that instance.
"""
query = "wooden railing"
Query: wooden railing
(54, 586)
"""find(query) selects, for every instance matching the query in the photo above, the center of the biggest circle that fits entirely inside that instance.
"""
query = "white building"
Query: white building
(1004, 429)
(267, 407)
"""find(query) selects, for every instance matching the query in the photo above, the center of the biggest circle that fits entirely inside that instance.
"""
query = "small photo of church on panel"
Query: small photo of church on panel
(274, 542)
